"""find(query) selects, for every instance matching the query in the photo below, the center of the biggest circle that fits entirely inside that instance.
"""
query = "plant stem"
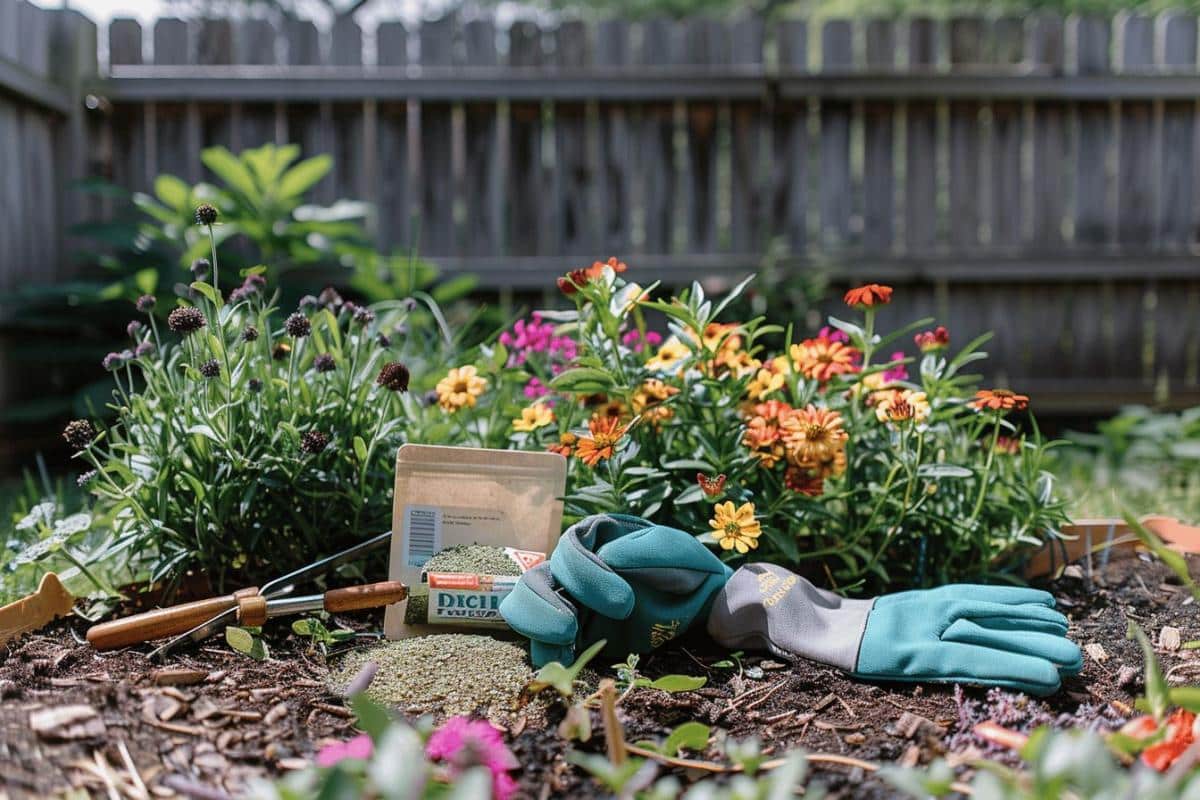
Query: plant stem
(987, 471)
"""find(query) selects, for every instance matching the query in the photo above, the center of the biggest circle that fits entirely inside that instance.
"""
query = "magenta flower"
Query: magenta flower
(633, 339)
(898, 372)
(833, 335)
(461, 743)
(535, 389)
(359, 747)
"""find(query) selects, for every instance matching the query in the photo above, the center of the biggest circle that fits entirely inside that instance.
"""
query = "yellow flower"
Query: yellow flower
(764, 383)
(735, 528)
(647, 401)
(900, 405)
(670, 353)
(813, 436)
(535, 416)
(460, 388)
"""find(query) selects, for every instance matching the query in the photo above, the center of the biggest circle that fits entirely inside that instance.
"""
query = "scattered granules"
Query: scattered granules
(478, 559)
(444, 675)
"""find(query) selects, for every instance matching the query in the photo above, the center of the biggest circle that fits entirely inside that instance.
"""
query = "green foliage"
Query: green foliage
(247, 641)
(917, 503)
(562, 679)
(319, 635)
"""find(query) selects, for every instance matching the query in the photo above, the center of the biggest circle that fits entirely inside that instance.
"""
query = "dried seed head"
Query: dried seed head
(145, 303)
(133, 327)
(186, 320)
(252, 285)
(249, 333)
(79, 433)
(308, 301)
(281, 351)
(211, 368)
(206, 214)
(314, 442)
(201, 268)
(384, 340)
(324, 363)
(297, 326)
(364, 315)
(393, 376)
(254, 385)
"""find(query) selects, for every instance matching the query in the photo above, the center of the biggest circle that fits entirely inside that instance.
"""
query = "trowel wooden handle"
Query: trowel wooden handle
(162, 622)
(370, 595)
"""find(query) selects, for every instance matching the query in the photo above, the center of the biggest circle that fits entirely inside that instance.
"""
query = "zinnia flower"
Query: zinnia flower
(735, 528)
(533, 417)
(596, 270)
(764, 383)
(186, 320)
(820, 359)
(671, 353)
(360, 747)
(314, 442)
(572, 282)
(813, 436)
(606, 433)
(394, 376)
(461, 743)
(901, 405)
(206, 214)
(1008, 445)
(460, 388)
(565, 446)
(898, 372)
(79, 433)
(999, 400)
(871, 294)
(805, 481)
(1182, 729)
(764, 440)
(931, 341)
(647, 401)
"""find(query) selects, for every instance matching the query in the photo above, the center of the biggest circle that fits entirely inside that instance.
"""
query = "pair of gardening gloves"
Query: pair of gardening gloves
(638, 585)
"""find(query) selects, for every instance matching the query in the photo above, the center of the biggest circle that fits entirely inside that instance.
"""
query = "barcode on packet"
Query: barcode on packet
(422, 534)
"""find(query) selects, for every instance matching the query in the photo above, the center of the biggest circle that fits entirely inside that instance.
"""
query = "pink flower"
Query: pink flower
(359, 747)
(633, 339)
(833, 335)
(898, 372)
(535, 389)
(461, 743)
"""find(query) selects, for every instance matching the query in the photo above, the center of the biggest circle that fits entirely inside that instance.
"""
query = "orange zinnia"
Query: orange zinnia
(820, 359)
(606, 432)
(764, 440)
(813, 436)
(872, 294)
(999, 400)
(565, 446)
(597, 267)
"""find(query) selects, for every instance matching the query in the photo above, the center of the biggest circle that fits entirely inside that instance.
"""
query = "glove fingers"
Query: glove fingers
(666, 559)
(536, 611)
(1007, 595)
(1059, 650)
(1054, 627)
(588, 579)
(966, 663)
(1001, 614)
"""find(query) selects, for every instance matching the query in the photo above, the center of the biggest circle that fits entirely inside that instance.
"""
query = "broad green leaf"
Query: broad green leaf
(679, 683)
(207, 290)
(173, 192)
(372, 718)
(1157, 698)
(1185, 697)
(246, 643)
(690, 735)
(305, 175)
(455, 288)
(233, 172)
(943, 471)
(360, 448)
(583, 380)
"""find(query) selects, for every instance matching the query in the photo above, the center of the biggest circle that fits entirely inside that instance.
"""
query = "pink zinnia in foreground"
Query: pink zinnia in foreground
(359, 747)
(461, 743)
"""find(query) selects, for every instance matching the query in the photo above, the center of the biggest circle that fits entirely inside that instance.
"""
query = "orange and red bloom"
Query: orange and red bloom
(999, 400)
(606, 433)
(930, 341)
(565, 445)
(1182, 730)
(820, 359)
(868, 296)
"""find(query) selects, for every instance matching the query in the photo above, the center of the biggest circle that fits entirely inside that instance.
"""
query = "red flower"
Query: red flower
(872, 294)
(572, 282)
(1181, 732)
(805, 481)
(936, 339)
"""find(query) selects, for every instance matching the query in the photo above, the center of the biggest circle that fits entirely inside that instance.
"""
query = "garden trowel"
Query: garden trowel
(192, 622)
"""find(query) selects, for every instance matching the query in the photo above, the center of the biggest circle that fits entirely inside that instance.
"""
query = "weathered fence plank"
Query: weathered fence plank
(790, 188)
(879, 186)
(921, 167)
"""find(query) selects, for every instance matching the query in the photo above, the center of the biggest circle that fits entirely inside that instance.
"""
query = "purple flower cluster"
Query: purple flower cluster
(833, 335)
(633, 340)
(896, 373)
(532, 342)
(252, 285)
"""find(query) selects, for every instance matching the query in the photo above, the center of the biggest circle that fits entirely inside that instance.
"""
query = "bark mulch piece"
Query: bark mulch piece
(72, 717)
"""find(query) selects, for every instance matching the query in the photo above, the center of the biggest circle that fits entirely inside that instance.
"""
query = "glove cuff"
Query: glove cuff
(763, 606)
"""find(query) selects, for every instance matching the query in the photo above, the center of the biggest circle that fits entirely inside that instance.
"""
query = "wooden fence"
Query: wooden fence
(1035, 176)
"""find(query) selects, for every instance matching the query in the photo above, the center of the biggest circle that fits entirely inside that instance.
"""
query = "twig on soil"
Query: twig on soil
(363, 679)
(337, 711)
(187, 730)
(614, 734)
(767, 696)
(131, 768)
(733, 704)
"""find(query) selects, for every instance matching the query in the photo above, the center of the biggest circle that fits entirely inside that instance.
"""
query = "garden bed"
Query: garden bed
(222, 719)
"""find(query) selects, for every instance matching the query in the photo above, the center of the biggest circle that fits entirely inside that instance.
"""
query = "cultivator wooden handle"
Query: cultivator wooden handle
(162, 622)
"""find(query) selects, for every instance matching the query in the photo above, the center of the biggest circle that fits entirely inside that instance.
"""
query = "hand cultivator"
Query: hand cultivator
(193, 622)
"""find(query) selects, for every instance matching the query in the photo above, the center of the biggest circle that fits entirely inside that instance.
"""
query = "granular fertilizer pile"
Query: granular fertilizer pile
(444, 675)
(478, 559)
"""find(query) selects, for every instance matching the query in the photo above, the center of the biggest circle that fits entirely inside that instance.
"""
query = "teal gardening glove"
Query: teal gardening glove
(614, 577)
(990, 635)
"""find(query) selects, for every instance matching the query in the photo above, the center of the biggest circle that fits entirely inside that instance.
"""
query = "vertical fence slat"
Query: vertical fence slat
(613, 186)
(1005, 203)
(525, 190)
(706, 45)
(1135, 171)
(920, 177)
(966, 48)
(254, 43)
(747, 193)
(574, 167)
(177, 150)
(346, 124)
(656, 147)
(303, 119)
(214, 45)
(393, 193)
(437, 130)
(126, 124)
(484, 195)
(790, 144)
(837, 187)
(879, 181)
(1047, 202)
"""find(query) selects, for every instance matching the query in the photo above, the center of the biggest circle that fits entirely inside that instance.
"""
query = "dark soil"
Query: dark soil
(230, 719)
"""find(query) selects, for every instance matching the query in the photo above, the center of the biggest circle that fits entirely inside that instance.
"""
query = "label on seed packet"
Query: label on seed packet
(466, 599)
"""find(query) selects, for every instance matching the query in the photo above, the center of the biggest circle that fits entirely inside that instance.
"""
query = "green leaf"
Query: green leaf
(688, 736)
(455, 288)
(207, 290)
(360, 449)
(146, 280)
(305, 175)
(582, 380)
(1157, 699)
(561, 678)
(943, 471)
(246, 643)
(1187, 697)
(226, 166)
(173, 192)
(372, 718)
(679, 683)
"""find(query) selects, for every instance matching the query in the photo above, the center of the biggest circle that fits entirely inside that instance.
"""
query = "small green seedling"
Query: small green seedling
(247, 642)
(319, 636)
